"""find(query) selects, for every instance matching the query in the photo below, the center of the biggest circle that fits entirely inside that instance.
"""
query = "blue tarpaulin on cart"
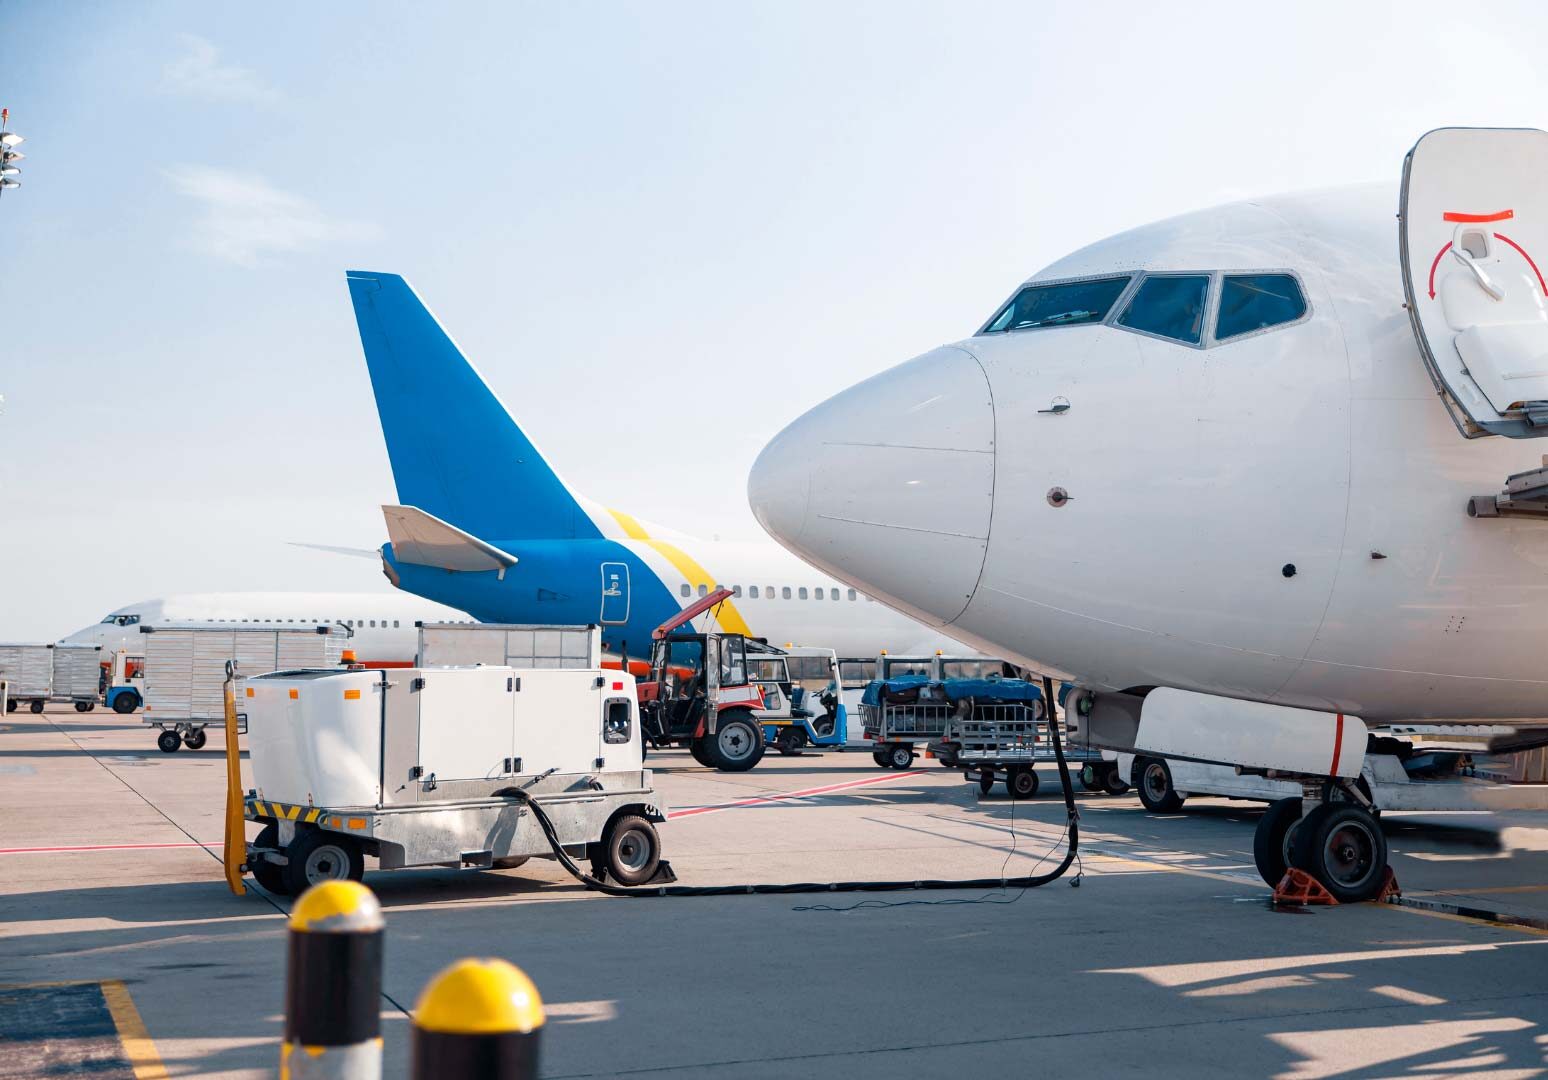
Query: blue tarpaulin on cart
(919, 688)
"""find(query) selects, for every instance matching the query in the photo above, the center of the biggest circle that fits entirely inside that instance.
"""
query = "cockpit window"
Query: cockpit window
(1251, 302)
(1069, 304)
(121, 620)
(1169, 306)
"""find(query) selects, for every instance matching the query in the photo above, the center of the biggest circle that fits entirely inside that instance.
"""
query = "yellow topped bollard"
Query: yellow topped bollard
(333, 985)
(478, 1020)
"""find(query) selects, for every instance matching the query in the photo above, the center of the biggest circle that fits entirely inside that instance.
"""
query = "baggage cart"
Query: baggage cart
(28, 668)
(435, 767)
(185, 670)
(509, 644)
(1006, 741)
(77, 675)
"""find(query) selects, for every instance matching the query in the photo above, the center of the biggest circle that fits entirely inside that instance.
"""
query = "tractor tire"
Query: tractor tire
(124, 704)
(737, 744)
(699, 749)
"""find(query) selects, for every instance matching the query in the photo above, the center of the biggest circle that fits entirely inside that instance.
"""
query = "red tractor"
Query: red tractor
(699, 694)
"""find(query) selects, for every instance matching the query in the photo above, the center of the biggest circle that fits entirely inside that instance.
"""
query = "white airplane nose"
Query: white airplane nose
(889, 485)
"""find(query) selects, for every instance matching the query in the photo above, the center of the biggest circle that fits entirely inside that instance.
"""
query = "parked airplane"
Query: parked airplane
(487, 526)
(381, 624)
(1224, 472)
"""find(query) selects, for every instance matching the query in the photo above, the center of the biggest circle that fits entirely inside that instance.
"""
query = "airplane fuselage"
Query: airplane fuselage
(1279, 517)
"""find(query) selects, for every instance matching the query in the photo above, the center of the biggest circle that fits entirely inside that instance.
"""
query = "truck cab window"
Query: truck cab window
(1250, 302)
(1169, 306)
(1071, 303)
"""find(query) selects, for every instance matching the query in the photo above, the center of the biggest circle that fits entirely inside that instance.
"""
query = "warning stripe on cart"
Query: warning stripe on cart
(786, 796)
(283, 812)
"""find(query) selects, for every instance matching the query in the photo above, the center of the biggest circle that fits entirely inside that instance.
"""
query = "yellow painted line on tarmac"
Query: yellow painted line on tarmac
(1531, 931)
(1471, 892)
(136, 1040)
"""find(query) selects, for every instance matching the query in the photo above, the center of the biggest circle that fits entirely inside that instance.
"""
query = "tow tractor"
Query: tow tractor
(699, 694)
(124, 677)
(801, 705)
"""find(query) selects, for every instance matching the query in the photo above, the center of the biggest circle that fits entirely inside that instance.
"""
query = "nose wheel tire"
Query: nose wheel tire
(737, 744)
(1271, 843)
(1343, 847)
(1154, 779)
(321, 856)
(195, 739)
(169, 741)
(1021, 784)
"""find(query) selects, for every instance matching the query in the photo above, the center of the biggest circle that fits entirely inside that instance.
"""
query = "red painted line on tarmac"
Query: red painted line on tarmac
(98, 847)
(764, 800)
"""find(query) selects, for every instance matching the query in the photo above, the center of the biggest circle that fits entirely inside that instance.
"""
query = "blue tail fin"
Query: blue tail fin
(456, 451)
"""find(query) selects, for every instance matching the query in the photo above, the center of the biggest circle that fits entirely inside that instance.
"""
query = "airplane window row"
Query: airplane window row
(354, 624)
(768, 592)
(1174, 306)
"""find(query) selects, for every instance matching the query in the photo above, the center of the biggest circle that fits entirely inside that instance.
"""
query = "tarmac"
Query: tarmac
(122, 953)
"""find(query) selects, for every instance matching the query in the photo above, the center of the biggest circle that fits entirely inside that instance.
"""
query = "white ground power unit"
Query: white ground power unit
(435, 767)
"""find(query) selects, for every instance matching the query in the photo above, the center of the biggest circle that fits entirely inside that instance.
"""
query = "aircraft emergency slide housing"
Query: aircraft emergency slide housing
(1474, 229)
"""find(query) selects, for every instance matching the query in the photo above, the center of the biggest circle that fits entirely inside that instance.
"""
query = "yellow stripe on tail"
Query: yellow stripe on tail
(730, 619)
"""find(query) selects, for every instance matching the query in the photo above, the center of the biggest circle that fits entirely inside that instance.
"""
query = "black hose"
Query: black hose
(1032, 882)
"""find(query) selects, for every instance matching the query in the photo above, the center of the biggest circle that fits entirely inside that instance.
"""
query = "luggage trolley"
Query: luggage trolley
(898, 713)
(1004, 740)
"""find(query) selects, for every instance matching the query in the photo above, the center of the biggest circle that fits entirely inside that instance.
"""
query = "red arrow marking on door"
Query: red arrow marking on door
(1524, 255)
(1436, 263)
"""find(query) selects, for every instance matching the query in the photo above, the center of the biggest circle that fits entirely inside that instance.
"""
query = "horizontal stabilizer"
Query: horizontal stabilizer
(422, 539)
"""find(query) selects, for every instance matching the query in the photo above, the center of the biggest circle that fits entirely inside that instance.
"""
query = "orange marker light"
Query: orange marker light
(352, 695)
(249, 691)
(295, 694)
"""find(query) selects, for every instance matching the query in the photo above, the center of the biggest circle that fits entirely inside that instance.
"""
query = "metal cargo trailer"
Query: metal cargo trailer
(185, 670)
(77, 675)
(509, 645)
(28, 668)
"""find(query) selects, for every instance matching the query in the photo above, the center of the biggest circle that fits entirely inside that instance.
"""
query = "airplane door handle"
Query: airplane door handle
(1057, 407)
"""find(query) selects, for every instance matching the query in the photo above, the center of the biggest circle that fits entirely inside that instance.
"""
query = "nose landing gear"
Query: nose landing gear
(1338, 846)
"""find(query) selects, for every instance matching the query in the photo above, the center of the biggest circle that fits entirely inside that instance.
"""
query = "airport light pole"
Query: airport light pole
(9, 155)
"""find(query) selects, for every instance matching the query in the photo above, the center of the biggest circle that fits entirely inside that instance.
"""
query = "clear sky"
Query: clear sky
(661, 230)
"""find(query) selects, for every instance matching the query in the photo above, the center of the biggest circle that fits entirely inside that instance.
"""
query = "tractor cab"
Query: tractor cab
(699, 695)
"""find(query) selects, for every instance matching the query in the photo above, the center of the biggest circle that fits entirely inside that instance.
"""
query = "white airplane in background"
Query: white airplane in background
(381, 624)
(489, 527)
(1227, 473)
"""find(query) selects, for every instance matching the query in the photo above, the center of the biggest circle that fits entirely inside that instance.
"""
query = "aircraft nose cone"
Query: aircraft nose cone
(889, 485)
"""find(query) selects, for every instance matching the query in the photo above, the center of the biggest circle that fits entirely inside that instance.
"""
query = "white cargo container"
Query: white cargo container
(509, 645)
(435, 766)
(28, 668)
(77, 674)
(185, 670)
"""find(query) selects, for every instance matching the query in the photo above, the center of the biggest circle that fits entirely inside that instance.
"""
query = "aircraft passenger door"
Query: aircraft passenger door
(1473, 239)
(615, 593)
